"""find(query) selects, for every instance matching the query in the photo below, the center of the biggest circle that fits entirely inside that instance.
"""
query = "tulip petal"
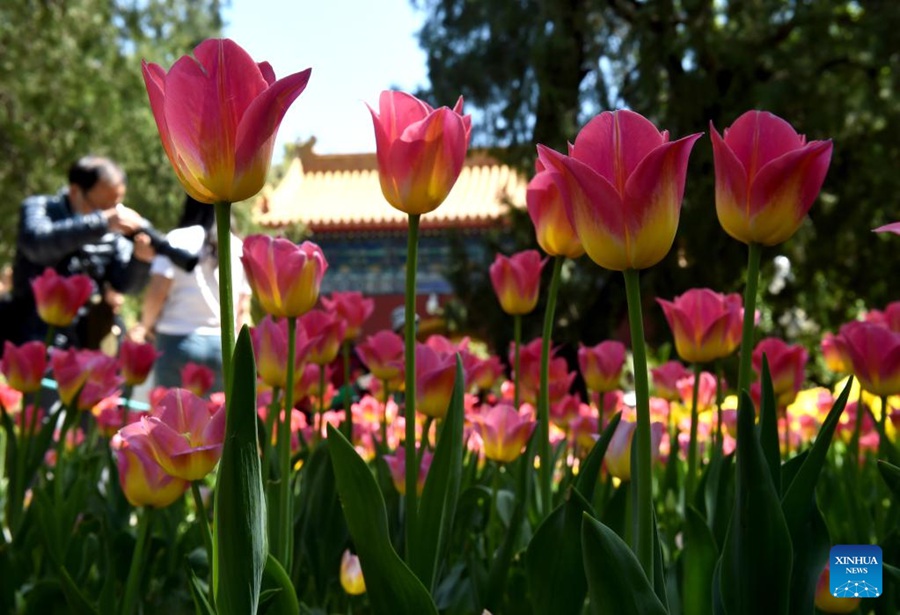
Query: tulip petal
(758, 137)
(653, 195)
(785, 189)
(205, 98)
(594, 208)
(438, 143)
(256, 132)
(893, 227)
(606, 133)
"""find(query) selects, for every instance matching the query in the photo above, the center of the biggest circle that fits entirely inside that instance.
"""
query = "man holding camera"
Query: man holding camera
(87, 230)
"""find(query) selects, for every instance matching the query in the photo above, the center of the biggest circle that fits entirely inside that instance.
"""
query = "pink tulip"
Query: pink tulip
(517, 280)
(325, 331)
(196, 378)
(874, 353)
(58, 298)
(88, 374)
(786, 366)
(622, 183)
(186, 437)
(826, 602)
(270, 346)
(217, 113)
(10, 398)
(351, 574)
(383, 355)
(666, 377)
(111, 417)
(504, 432)
(601, 365)
(706, 394)
(547, 211)
(566, 410)
(137, 361)
(482, 374)
(24, 366)
(835, 359)
(892, 316)
(142, 479)
(397, 465)
(435, 376)
(618, 455)
(421, 150)
(560, 378)
(285, 277)
(706, 325)
(353, 309)
(893, 227)
(767, 177)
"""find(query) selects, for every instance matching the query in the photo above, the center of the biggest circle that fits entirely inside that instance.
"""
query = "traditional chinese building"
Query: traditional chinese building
(338, 198)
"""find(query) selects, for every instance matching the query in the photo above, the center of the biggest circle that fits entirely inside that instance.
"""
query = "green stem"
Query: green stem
(857, 430)
(642, 477)
(546, 477)
(203, 520)
(226, 296)
(321, 390)
(412, 470)
(517, 342)
(283, 534)
(691, 478)
(755, 252)
(137, 561)
(271, 416)
(348, 388)
(384, 419)
(720, 396)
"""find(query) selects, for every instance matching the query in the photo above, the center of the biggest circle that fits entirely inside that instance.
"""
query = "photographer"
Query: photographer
(181, 306)
(80, 230)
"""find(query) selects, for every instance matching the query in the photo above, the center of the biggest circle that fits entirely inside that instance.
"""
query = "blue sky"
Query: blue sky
(356, 49)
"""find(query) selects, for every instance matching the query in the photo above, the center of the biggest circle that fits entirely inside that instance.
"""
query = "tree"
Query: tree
(536, 70)
(70, 84)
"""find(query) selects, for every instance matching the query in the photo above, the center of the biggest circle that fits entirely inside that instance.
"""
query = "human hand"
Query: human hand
(138, 334)
(124, 220)
(143, 250)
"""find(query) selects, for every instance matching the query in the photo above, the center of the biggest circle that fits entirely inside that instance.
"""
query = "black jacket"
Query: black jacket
(52, 235)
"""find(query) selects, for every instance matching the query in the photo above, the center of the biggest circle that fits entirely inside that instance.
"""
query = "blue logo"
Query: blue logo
(855, 571)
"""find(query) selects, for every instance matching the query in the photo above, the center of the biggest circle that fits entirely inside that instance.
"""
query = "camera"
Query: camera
(180, 258)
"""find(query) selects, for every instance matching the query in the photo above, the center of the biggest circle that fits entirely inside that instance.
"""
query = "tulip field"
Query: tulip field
(349, 471)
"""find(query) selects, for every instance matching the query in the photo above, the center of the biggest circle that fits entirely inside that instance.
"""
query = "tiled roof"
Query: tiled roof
(342, 192)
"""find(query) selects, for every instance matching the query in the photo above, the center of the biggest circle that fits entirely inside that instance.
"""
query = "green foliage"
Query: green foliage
(616, 581)
(534, 72)
(391, 585)
(70, 84)
(240, 515)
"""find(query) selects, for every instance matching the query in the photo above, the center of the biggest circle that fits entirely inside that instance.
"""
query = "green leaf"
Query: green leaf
(240, 513)
(391, 586)
(277, 596)
(323, 533)
(757, 556)
(554, 560)
(438, 502)
(811, 544)
(891, 475)
(799, 493)
(809, 534)
(768, 426)
(698, 563)
(616, 583)
(718, 492)
(499, 571)
(590, 469)
(198, 593)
